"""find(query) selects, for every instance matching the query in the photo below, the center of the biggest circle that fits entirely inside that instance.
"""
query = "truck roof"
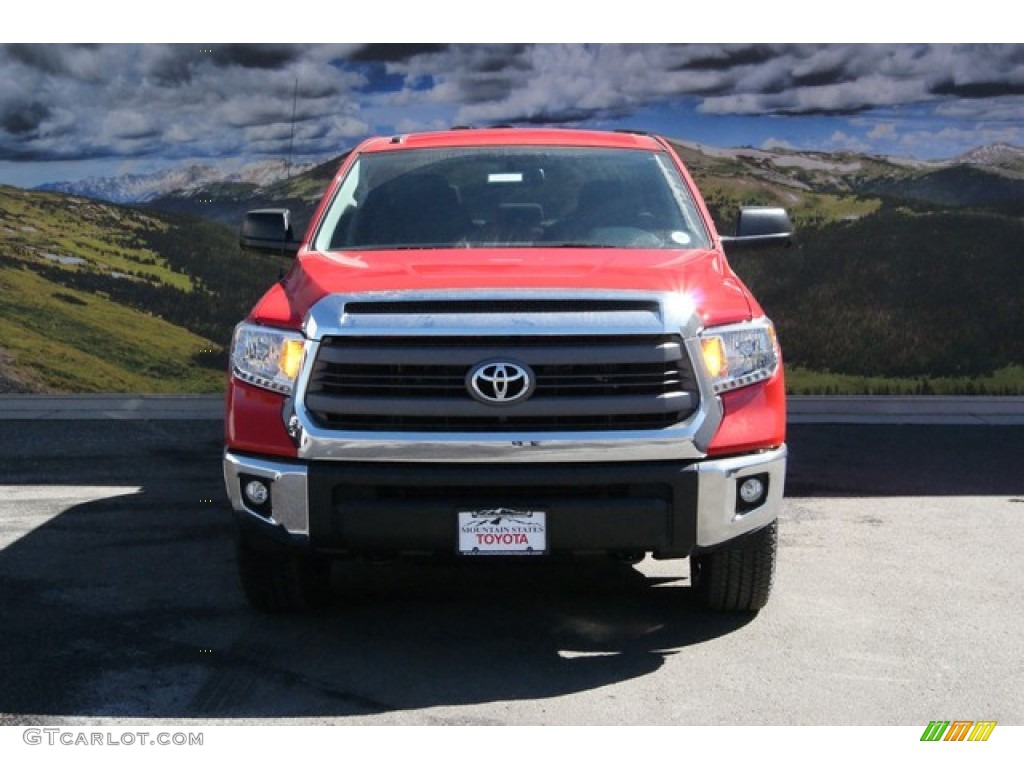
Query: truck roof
(486, 137)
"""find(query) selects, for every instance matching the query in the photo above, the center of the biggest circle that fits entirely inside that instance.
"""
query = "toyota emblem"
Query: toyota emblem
(500, 382)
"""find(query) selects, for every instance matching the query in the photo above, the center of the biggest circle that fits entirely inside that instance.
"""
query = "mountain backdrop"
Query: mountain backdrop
(904, 277)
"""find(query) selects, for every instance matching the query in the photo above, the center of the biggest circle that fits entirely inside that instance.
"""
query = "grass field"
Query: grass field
(1005, 381)
(52, 228)
(64, 340)
(56, 338)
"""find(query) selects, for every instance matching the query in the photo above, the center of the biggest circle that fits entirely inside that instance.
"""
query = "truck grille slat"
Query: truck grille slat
(551, 382)
(352, 354)
(373, 423)
(376, 384)
(535, 407)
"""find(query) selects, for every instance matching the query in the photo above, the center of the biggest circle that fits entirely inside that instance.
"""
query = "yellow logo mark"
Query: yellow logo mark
(982, 730)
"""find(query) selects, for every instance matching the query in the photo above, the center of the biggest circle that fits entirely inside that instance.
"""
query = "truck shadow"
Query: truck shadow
(127, 605)
(412, 636)
(109, 613)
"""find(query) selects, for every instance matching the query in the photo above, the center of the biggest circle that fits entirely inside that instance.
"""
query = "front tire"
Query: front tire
(278, 579)
(738, 577)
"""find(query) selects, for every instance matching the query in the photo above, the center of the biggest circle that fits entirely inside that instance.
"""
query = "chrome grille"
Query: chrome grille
(583, 383)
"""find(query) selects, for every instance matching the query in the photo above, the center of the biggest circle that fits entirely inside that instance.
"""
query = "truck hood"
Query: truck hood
(705, 275)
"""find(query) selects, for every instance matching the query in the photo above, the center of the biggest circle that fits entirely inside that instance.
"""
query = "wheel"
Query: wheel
(738, 577)
(277, 579)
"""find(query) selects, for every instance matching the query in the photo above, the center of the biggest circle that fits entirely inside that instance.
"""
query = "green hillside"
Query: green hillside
(900, 301)
(100, 298)
(903, 278)
(953, 186)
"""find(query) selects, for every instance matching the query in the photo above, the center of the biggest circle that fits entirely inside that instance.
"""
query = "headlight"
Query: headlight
(739, 355)
(267, 357)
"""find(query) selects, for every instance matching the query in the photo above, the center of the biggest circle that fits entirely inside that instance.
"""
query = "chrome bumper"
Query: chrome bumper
(289, 497)
(717, 517)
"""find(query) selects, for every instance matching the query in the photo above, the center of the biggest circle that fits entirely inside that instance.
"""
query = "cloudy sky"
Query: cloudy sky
(70, 111)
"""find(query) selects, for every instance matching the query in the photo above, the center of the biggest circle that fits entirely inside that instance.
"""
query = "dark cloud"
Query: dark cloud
(253, 56)
(475, 88)
(22, 119)
(822, 112)
(501, 58)
(819, 77)
(130, 126)
(728, 57)
(490, 71)
(172, 66)
(316, 90)
(78, 62)
(978, 90)
(560, 117)
(49, 59)
(397, 52)
(24, 154)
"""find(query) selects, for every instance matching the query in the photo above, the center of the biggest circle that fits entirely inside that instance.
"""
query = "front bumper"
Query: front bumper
(668, 508)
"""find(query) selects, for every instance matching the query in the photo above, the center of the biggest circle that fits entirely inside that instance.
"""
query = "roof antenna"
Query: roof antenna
(291, 138)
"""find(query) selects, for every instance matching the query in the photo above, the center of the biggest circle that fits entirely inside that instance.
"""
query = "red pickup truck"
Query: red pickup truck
(507, 343)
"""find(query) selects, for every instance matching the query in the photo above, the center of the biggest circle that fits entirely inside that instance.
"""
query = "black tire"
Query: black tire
(277, 579)
(738, 577)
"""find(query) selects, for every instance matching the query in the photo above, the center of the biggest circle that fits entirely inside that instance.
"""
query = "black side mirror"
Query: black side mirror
(761, 227)
(268, 231)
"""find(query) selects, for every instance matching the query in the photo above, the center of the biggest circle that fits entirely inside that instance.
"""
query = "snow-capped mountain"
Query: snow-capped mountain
(1004, 157)
(141, 188)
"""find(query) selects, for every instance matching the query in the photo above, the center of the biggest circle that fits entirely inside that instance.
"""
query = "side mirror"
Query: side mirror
(761, 227)
(268, 231)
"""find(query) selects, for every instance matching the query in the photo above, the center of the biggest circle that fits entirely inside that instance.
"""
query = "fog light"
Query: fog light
(751, 491)
(257, 493)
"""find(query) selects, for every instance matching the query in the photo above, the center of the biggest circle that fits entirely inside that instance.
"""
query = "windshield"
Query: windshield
(512, 197)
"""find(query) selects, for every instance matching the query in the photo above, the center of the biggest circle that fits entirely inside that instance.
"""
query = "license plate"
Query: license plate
(502, 531)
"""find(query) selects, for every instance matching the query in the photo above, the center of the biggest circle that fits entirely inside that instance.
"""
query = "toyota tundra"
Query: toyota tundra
(507, 343)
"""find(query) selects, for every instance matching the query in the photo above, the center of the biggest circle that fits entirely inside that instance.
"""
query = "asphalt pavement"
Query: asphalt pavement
(897, 601)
